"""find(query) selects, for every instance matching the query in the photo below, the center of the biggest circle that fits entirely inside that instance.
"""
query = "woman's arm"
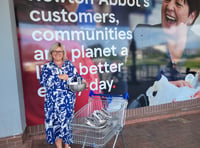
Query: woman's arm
(181, 83)
(48, 80)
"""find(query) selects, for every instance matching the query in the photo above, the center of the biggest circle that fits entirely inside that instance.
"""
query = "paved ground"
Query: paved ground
(178, 132)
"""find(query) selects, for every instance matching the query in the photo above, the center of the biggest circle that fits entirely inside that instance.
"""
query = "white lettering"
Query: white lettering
(41, 55)
(41, 92)
(92, 53)
(102, 85)
(36, 35)
(100, 68)
(34, 16)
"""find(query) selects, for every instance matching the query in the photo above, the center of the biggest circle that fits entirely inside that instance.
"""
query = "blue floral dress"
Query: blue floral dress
(59, 101)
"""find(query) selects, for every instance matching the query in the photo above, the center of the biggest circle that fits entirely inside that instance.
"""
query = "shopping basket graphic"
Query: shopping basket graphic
(101, 119)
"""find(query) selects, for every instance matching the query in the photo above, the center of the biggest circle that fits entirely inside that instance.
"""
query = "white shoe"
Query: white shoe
(106, 114)
(93, 121)
(101, 119)
(90, 121)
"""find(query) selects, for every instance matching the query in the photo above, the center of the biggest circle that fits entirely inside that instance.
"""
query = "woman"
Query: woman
(60, 99)
(177, 19)
(174, 36)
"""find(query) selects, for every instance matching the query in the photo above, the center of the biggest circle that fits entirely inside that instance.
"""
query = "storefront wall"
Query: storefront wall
(137, 67)
(12, 113)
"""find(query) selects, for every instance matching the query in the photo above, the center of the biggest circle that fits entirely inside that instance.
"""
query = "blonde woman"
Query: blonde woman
(59, 99)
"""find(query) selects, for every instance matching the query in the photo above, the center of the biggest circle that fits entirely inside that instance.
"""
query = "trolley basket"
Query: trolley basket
(102, 118)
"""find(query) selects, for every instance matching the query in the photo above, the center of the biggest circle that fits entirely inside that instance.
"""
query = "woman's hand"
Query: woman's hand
(63, 76)
(84, 81)
(181, 83)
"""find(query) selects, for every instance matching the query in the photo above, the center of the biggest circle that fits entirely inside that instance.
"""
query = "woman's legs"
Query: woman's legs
(59, 143)
(66, 145)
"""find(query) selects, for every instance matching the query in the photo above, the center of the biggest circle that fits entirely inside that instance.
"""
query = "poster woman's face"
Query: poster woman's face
(175, 12)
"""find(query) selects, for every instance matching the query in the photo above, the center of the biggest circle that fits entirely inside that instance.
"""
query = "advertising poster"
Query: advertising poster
(148, 48)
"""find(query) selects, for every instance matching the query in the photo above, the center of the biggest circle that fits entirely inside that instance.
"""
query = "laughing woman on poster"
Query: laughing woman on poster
(171, 43)
(59, 99)
(174, 32)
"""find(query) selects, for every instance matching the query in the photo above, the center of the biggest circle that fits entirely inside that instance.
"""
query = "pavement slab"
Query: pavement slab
(176, 132)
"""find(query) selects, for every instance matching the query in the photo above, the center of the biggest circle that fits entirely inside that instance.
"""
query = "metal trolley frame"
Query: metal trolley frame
(87, 135)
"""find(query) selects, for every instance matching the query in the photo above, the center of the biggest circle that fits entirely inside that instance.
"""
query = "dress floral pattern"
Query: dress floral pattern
(59, 101)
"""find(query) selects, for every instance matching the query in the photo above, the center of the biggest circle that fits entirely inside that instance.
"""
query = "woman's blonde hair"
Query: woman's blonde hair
(53, 47)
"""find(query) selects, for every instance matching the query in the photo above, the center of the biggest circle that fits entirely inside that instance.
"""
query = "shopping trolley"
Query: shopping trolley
(98, 135)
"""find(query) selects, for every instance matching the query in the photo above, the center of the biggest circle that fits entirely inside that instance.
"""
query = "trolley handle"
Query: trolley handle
(125, 96)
